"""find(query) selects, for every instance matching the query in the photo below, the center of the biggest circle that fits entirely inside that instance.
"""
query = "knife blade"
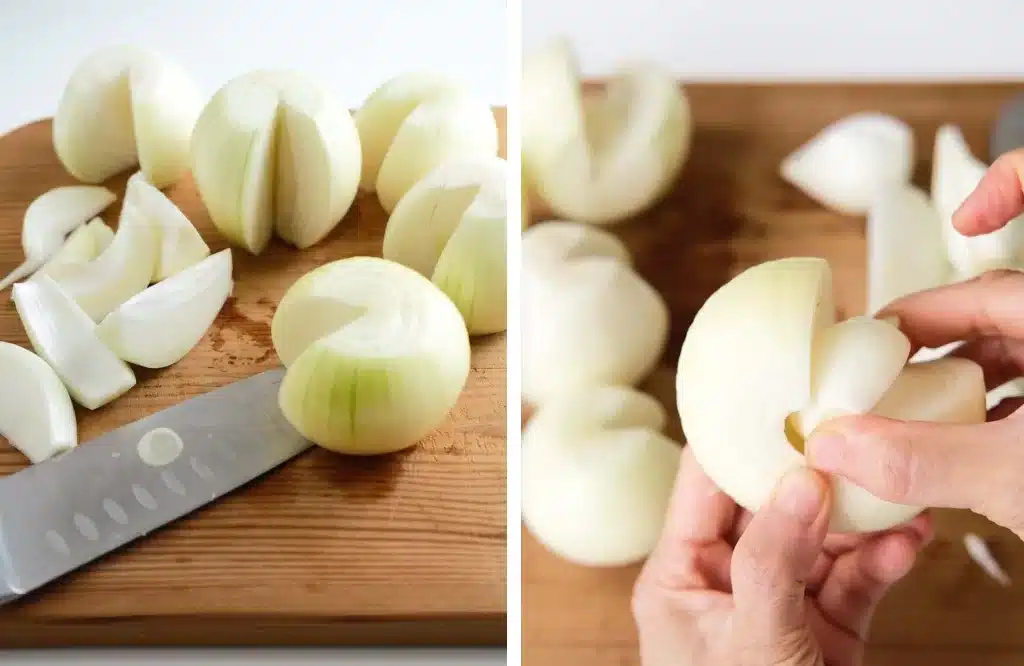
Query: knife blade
(64, 512)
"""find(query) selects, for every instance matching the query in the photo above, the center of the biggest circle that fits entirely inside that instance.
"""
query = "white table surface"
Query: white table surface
(351, 46)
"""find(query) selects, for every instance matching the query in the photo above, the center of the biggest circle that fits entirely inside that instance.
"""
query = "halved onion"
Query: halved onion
(274, 151)
(451, 227)
(65, 337)
(36, 414)
(377, 355)
(124, 106)
(50, 218)
(601, 157)
(415, 122)
(160, 325)
(179, 243)
(121, 271)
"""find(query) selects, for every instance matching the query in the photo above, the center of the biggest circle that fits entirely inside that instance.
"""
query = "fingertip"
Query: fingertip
(998, 198)
(891, 557)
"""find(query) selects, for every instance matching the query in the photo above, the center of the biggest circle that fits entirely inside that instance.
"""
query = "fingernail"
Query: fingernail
(800, 494)
(824, 450)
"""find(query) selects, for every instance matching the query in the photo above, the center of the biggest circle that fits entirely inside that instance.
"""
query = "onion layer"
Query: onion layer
(36, 414)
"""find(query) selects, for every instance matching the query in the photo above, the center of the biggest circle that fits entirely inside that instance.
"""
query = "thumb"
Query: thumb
(919, 463)
(773, 559)
(997, 199)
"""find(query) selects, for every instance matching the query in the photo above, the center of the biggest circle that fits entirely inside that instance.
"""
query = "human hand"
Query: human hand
(727, 588)
(975, 467)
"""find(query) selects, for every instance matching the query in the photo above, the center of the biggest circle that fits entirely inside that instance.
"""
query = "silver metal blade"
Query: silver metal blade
(62, 513)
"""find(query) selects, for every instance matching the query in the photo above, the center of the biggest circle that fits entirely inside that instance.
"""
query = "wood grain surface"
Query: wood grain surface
(401, 549)
(729, 211)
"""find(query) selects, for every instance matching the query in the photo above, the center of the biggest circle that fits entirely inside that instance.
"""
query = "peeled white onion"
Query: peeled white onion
(160, 325)
(377, 355)
(273, 151)
(598, 475)
(83, 244)
(50, 218)
(413, 123)
(906, 249)
(36, 414)
(179, 243)
(126, 106)
(451, 227)
(587, 317)
(765, 350)
(65, 337)
(601, 157)
(846, 165)
(955, 174)
(121, 271)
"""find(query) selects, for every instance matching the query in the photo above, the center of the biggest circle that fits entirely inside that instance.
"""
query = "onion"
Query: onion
(764, 356)
(601, 158)
(846, 165)
(36, 414)
(955, 174)
(451, 227)
(377, 355)
(125, 106)
(160, 325)
(982, 555)
(83, 245)
(598, 475)
(65, 337)
(275, 152)
(906, 250)
(179, 243)
(588, 318)
(121, 271)
(50, 218)
(413, 123)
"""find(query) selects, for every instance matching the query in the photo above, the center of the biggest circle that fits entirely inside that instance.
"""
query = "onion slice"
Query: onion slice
(982, 555)
(121, 271)
(179, 243)
(36, 414)
(50, 218)
(160, 325)
(83, 245)
(846, 165)
(377, 355)
(65, 337)
(451, 227)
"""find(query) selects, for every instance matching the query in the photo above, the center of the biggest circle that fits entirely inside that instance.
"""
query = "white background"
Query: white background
(350, 45)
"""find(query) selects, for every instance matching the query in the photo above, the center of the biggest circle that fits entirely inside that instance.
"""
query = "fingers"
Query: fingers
(986, 306)
(925, 464)
(775, 556)
(997, 199)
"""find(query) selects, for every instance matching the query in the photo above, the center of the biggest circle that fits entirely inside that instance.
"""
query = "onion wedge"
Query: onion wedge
(160, 325)
(65, 337)
(84, 244)
(50, 218)
(450, 227)
(123, 270)
(179, 243)
(36, 414)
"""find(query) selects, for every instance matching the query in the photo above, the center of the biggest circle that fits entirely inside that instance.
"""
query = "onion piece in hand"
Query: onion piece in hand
(125, 106)
(906, 250)
(84, 244)
(179, 243)
(36, 414)
(65, 337)
(588, 318)
(50, 218)
(377, 355)
(160, 325)
(598, 475)
(413, 123)
(451, 227)
(764, 363)
(955, 174)
(274, 151)
(846, 165)
(123, 270)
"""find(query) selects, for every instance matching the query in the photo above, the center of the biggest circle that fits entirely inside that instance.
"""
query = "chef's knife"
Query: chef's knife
(69, 510)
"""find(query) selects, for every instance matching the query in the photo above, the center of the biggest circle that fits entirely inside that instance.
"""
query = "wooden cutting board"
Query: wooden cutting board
(402, 549)
(729, 211)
